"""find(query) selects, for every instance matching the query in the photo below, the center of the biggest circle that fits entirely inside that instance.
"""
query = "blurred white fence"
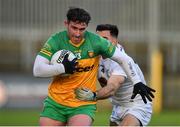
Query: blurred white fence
(26, 24)
(30, 21)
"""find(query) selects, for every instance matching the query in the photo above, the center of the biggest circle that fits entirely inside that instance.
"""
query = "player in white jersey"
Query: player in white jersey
(127, 110)
(134, 112)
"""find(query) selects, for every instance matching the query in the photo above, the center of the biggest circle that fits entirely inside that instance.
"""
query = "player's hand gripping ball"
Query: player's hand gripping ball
(67, 58)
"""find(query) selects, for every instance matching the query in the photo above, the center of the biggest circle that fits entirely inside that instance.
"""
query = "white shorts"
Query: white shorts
(141, 111)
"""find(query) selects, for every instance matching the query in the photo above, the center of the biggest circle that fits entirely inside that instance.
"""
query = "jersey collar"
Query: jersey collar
(76, 45)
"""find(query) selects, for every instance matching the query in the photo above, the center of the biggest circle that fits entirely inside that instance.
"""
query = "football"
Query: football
(58, 57)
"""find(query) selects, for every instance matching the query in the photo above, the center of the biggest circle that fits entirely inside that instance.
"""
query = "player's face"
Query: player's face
(106, 34)
(76, 31)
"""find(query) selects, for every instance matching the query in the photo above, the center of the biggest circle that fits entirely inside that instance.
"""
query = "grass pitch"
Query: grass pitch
(30, 117)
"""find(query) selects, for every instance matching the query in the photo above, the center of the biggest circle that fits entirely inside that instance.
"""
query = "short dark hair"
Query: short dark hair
(112, 28)
(78, 15)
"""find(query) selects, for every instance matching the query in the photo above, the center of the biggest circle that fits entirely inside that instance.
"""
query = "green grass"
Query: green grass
(25, 117)
(166, 118)
(30, 117)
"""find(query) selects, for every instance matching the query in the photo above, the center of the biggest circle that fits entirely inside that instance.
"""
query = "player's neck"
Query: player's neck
(76, 43)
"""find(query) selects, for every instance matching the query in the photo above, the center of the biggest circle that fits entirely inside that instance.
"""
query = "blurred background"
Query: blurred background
(149, 31)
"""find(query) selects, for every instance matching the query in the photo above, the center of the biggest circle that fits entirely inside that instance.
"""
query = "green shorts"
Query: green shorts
(62, 113)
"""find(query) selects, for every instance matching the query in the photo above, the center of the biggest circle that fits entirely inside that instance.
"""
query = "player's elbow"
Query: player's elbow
(36, 70)
(39, 66)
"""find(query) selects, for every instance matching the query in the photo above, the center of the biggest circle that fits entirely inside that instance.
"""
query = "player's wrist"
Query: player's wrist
(136, 81)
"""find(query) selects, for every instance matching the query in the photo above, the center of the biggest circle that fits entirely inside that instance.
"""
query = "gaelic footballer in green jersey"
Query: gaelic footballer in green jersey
(87, 47)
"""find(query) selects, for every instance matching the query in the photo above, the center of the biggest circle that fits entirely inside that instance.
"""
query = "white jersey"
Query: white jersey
(121, 101)
(123, 95)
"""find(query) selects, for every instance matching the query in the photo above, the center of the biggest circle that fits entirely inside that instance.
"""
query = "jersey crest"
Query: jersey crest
(91, 53)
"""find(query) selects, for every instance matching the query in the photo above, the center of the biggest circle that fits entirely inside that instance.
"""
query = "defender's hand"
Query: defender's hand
(144, 91)
(85, 94)
(69, 66)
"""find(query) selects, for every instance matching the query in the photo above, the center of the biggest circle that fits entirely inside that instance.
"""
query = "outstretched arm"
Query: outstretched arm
(113, 83)
(130, 68)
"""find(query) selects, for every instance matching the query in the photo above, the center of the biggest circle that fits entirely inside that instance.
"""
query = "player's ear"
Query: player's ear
(114, 40)
(66, 23)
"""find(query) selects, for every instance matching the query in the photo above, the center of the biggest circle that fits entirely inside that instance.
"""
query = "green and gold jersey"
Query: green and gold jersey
(88, 52)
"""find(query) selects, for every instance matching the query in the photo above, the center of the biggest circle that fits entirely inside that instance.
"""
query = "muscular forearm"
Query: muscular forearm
(105, 92)
(42, 68)
(113, 83)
